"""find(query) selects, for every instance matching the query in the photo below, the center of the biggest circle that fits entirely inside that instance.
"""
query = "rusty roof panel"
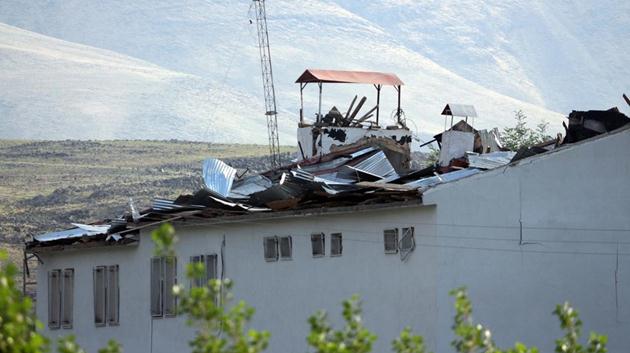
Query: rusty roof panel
(339, 76)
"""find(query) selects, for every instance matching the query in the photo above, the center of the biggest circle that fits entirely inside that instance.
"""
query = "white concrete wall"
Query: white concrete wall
(339, 136)
(284, 293)
(574, 205)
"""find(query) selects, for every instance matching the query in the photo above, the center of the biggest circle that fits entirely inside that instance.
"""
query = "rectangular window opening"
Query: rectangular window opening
(286, 248)
(407, 242)
(67, 298)
(113, 296)
(210, 263)
(156, 287)
(100, 295)
(318, 244)
(170, 280)
(54, 299)
(270, 245)
(390, 240)
(336, 244)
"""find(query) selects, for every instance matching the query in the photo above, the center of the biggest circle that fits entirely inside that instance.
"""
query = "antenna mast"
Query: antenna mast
(267, 78)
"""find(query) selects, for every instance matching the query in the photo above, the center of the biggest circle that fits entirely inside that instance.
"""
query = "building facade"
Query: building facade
(522, 238)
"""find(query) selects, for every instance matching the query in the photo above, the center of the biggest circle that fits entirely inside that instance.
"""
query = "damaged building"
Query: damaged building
(522, 230)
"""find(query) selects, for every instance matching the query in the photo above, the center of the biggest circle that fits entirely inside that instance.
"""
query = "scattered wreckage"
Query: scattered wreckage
(371, 169)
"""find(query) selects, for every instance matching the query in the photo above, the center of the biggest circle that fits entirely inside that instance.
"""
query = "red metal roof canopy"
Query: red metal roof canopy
(338, 76)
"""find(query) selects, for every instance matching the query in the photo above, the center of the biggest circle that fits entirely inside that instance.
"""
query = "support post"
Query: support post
(302, 85)
(398, 111)
(320, 101)
(378, 102)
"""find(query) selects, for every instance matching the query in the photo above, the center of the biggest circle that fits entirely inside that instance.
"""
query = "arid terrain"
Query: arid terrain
(46, 185)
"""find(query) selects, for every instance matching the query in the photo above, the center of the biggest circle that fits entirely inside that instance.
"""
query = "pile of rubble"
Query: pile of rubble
(367, 172)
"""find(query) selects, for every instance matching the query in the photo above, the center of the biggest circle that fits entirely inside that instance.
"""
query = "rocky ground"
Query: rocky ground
(46, 185)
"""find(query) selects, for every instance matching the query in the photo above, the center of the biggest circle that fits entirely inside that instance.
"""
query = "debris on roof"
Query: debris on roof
(364, 170)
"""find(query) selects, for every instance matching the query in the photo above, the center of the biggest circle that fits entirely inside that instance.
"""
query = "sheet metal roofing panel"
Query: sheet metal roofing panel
(462, 110)
(338, 76)
(377, 165)
(426, 183)
(490, 160)
(80, 231)
(247, 186)
(218, 176)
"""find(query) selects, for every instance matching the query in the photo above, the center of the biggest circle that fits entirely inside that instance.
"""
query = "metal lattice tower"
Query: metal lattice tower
(267, 78)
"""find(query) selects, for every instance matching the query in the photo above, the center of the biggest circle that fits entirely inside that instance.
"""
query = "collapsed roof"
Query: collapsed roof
(368, 173)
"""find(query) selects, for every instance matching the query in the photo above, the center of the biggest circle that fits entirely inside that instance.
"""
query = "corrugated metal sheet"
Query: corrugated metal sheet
(338, 76)
(426, 183)
(218, 176)
(242, 189)
(490, 160)
(463, 110)
(80, 231)
(377, 165)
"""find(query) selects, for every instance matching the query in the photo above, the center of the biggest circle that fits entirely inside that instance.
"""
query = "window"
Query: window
(390, 239)
(270, 245)
(60, 298)
(67, 298)
(336, 245)
(106, 295)
(318, 244)
(286, 248)
(407, 242)
(54, 298)
(210, 264)
(163, 278)
(113, 295)
(100, 296)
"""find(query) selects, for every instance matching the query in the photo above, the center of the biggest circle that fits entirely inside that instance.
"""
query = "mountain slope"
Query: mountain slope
(61, 90)
(559, 54)
(214, 40)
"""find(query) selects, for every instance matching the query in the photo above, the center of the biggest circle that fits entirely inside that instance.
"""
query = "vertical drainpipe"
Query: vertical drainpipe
(320, 101)
(378, 101)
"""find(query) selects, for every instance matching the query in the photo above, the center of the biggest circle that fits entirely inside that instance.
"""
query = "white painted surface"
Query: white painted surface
(574, 206)
(455, 144)
(329, 138)
(284, 293)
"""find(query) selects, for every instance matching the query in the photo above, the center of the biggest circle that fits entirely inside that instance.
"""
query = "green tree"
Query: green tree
(353, 338)
(519, 136)
(18, 325)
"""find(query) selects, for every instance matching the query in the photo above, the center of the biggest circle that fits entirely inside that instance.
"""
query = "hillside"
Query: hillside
(53, 89)
(204, 80)
(46, 185)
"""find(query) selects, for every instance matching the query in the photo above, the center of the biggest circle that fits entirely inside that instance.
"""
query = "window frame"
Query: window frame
(99, 274)
(211, 272)
(54, 299)
(282, 256)
(407, 233)
(321, 238)
(112, 308)
(161, 299)
(67, 298)
(333, 238)
(266, 242)
(390, 232)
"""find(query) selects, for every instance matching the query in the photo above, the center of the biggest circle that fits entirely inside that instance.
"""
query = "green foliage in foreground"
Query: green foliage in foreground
(18, 325)
(223, 328)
